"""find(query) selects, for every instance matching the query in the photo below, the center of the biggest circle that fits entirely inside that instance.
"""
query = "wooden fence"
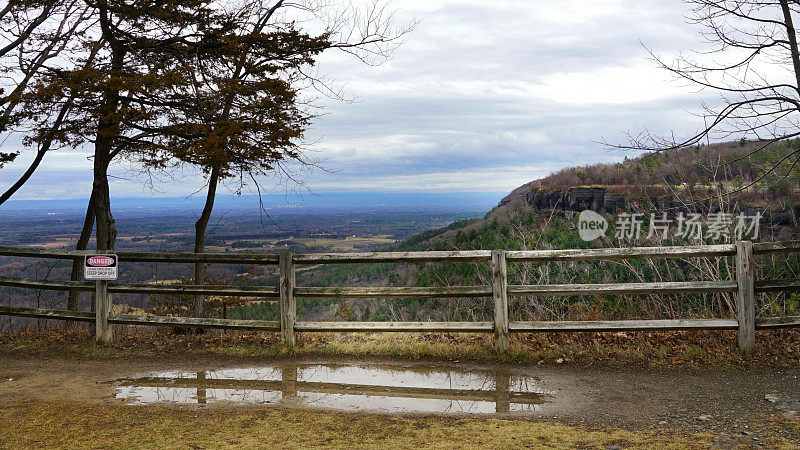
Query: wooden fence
(745, 287)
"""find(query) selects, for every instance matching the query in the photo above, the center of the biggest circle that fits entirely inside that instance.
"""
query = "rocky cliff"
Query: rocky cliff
(599, 199)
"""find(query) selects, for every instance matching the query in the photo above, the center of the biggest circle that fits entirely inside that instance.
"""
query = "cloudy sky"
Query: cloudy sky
(482, 96)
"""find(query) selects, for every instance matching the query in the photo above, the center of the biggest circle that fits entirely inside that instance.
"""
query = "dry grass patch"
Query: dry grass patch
(653, 350)
(35, 424)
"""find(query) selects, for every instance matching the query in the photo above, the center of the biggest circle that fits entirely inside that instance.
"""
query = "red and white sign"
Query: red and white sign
(100, 267)
(100, 261)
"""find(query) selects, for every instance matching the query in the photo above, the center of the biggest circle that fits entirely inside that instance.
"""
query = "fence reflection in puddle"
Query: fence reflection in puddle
(343, 387)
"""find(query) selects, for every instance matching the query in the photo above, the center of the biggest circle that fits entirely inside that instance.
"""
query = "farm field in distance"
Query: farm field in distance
(322, 243)
(162, 228)
(171, 230)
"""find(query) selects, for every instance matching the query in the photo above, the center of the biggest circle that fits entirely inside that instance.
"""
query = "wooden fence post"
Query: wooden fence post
(102, 328)
(288, 302)
(288, 382)
(745, 296)
(202, 391)
(500, 297)
(502, 399)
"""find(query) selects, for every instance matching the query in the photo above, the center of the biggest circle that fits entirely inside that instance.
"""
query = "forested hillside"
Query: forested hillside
(516, 225)
(739, 163)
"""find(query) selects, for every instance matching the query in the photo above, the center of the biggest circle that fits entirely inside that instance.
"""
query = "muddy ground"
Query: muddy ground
(737, 406)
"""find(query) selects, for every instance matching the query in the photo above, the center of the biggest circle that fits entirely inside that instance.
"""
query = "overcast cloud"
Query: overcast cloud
(483, 96)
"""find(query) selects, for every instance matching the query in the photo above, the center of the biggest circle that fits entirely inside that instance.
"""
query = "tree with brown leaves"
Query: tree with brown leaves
(242, 115)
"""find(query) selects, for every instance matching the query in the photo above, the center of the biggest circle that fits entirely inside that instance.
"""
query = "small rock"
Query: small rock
(772, 398)
(703, 418)
(662, 422)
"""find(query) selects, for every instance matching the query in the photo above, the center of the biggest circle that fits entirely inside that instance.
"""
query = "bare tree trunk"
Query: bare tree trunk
(790, 34)
(83, 242)
(107, 130)
(106, 227)
(200, 236)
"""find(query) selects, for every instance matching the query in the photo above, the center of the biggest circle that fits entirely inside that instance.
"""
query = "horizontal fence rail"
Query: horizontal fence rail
(47, 313)
(205, 322)
(744, 286)
(224, 258)
(667, 287)
(621, 253)
(625, 325)
(471, 327)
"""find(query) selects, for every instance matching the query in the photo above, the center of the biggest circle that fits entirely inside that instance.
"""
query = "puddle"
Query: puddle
(343, 387)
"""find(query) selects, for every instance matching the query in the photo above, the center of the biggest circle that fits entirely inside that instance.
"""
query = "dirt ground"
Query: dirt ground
(738, 407)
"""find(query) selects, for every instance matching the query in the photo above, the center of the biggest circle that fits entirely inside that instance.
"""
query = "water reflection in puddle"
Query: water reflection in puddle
(343, 387)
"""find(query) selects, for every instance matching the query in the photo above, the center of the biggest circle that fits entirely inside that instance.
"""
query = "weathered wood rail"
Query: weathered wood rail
(745, 286)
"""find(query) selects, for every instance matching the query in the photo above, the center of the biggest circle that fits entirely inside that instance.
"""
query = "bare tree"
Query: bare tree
(32, 35)
(752, 59)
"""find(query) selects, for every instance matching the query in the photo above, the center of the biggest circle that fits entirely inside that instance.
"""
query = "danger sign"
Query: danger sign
(100, 267)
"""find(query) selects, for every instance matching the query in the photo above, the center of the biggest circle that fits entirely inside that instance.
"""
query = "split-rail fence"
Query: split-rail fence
(745, 286)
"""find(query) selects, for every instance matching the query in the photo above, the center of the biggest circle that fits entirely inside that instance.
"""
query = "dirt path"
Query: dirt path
(731, 404)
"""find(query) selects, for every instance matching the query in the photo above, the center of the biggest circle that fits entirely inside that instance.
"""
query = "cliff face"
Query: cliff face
(600, 200)
(577, 199)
